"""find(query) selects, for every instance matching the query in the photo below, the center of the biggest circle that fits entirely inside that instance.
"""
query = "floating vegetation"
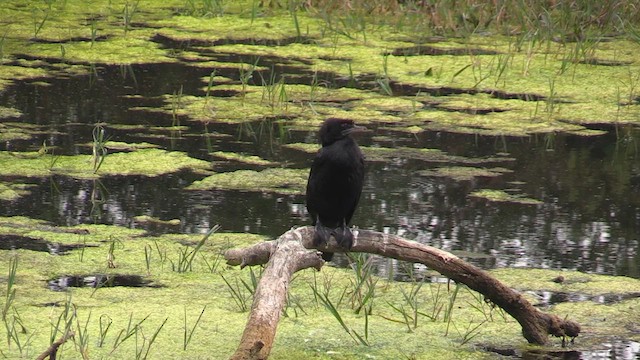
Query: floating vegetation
(13, 191)
(464, 173)
(384, 154)
(17, 131)
(592, 285)
(246, 159)
(550, 298)
(111, 146)
(145, 162)
(274, 180)
(502, 196)
(7, 113)
(400, 67)
(152, 220)
(118, 145)
(10, 74)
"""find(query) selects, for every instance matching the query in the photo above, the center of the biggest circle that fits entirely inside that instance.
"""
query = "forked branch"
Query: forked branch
(289, 254)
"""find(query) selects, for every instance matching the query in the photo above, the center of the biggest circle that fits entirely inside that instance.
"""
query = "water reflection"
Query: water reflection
(589, 219)
(616, 350)
(63, 283)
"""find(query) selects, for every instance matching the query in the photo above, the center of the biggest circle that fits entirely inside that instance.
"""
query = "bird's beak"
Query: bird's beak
(354, 129)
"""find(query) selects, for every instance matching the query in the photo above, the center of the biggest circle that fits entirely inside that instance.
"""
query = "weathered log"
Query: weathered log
(285, 257)
(288, 255)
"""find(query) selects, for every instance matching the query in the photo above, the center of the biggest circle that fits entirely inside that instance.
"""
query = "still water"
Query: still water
(589, 219)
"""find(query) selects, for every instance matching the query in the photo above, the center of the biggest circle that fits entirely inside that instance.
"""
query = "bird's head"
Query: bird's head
(334, 129)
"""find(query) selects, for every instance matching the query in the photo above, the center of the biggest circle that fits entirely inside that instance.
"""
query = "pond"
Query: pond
(517, 149)
(584, 217)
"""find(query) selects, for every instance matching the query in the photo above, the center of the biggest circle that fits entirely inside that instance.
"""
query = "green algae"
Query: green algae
(305, 147)
(491, 88)
(274, 180)
(601, 321)
(306, 330)
(13, 191)
(17, 131)
(11, 74)
(573, 282)
(566, 103)
(6, 112)
(464, 173)
(502, 196)
(123, 146)
(145, 162)
(152, 220)
(245, 159)
(384, 154)
(119, 145)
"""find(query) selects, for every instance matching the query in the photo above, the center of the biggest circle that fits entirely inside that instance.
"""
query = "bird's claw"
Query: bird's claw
(343, 237)
(322, 235)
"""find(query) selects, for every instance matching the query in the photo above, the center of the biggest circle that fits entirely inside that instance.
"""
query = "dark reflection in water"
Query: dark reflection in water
(589, 219)
(618, 350)
(15, 242)
(98, 281)
(548, 298)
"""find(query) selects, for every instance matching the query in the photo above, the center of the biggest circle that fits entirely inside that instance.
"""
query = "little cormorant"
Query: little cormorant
(335, 183)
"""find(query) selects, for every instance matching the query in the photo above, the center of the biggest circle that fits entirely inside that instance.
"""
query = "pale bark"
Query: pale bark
(285, 257)
(288, 255)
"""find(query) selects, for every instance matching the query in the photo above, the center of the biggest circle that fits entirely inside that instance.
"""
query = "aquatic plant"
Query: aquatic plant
(411, 300)
(94, 31)
(104, 323)
(2, 40)
(471, 331)
(10, 294)
(274, 93)
(204, 8)
(212, 76)
(129, 10)
(99, 149)
(448, 310)
(186, 255)
(333, 309)
(39, 23)
(246, 75)
(176, 107)
(141, 349)
(383, 80)
(534, 20)
(63, 327)
(14, 325)
(293, 10)
(131, 330)
(242, 295)
(362, 292)
(81, 336)
(187, 334)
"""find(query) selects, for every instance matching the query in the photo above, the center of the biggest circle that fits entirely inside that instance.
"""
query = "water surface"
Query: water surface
(588, 220)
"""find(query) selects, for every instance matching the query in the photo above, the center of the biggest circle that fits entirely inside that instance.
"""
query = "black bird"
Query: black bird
(335, 183)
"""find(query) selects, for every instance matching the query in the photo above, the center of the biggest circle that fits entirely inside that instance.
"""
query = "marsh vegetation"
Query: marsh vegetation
(503, 131)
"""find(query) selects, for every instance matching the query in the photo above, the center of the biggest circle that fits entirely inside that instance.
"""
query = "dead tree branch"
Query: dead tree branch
(288, 255)
(52, 351)
(285, 257)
